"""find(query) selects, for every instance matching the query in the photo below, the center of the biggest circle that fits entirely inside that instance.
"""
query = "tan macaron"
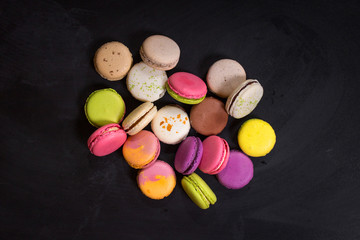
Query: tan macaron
(160, 52)
(224, 76)
(139, 118)
(113, 61)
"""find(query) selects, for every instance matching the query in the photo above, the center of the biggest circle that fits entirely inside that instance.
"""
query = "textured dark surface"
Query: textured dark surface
(304, 53)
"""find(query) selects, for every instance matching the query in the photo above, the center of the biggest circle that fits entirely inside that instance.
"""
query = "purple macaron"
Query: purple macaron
(188, 155)
(238, 172)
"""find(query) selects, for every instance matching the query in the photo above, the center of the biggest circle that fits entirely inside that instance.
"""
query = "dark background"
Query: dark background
(304, 53)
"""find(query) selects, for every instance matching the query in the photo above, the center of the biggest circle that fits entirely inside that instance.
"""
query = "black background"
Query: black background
(304, 53)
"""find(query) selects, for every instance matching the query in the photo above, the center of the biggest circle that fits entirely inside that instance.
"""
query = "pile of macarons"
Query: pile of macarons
(147, 81)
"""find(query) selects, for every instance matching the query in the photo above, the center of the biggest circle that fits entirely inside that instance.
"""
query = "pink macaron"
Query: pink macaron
(238, 172)
(215, 155)
(186, 88)
(106, 139)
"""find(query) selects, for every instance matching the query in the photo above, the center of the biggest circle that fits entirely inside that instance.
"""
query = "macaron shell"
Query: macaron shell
(244, 99)
(160, 52)
(113, 61)
(183, 99)
(215, 155)
(187, 85)
(103, 107)
(139, 118)
(188, 155)
(198, 191)
(171, 124)
(256, 137)
(209, 117)
(145, 83)
(238, 172)
(224, 76)
(141, 149)
(106, 140)
(157, 181)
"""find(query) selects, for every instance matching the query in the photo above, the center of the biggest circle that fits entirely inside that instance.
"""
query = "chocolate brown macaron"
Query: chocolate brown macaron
(209, 117)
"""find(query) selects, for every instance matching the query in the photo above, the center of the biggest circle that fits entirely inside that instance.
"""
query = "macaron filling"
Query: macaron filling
(138, 121)
(225, 153)
(106, 131)
(238, 93)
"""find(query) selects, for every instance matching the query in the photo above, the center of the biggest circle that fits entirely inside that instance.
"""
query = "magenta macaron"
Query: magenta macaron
(238, 172)
(188, 155)
(106, 140)
(186, 88)
(215, 155)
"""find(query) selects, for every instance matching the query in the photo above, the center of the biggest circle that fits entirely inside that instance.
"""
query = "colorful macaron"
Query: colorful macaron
(243, 100)
(113, 61)
(188, 155)
(171, 124)
(145, 83)
(215, 155)
(141, 150)
(160, 52)
(104, 106)
(106, 140)
(198, 191)
(139, 118)
(186, 88)
(209, 117)
(238, 171)
(224, 76)
(256, 137)
(157, 181)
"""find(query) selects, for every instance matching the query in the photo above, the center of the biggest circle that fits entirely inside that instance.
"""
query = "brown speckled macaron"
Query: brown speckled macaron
(209, 117)
(113, 60)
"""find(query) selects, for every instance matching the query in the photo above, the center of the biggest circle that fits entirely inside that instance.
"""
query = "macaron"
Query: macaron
(160, 52)
(139, 118)
(198, 191)
(103, 107)
(171, 124)
(238, 171)
(243, 100)
(141, 150)
(224, 76)
(188, 155)
(186, 88)
(209, 117)
(215, 155)
(106, 140)
(113, 61)
(157, 181)
(145, 83)
(256, 137)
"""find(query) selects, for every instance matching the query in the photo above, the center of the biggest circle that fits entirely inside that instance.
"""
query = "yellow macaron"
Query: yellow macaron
(256, 137)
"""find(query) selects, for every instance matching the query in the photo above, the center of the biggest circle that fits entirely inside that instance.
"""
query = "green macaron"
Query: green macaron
(198, 191)
(103, 107)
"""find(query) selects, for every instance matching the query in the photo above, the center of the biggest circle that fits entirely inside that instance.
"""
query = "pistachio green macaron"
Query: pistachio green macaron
(198, 191)
(103, 107)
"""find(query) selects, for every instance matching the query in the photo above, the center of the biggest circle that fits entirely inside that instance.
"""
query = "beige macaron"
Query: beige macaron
(139, 118)
(160, 52)
(244, 99)
(113, 61)
(224, 76)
